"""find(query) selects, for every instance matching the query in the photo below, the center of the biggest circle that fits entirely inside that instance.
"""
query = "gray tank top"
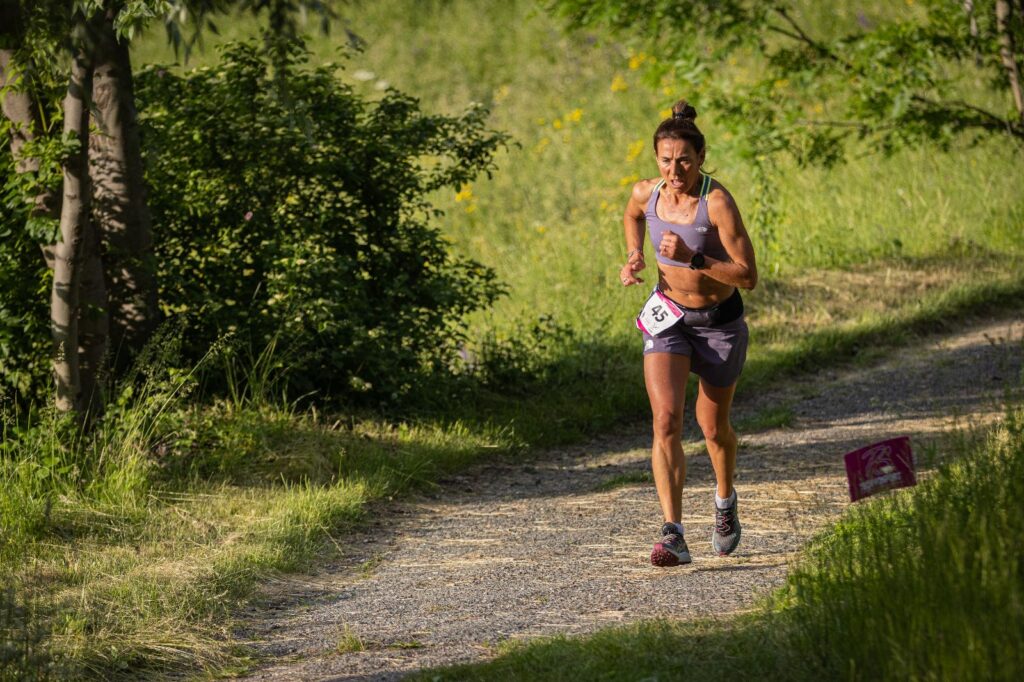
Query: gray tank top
(700, 235)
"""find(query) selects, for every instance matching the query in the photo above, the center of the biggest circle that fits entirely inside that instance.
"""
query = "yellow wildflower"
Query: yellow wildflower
(575, 115)
(541, 229)
(628, 180)
(470, 208)
(502, 93)
(541, 145)
(819, 108)
(557, 124)
(636, 61)
(619, 84)
(635, 150)
(666, 113)
(465, 193)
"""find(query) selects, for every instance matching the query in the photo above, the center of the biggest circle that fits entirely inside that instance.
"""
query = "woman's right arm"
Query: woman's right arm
(634, 226)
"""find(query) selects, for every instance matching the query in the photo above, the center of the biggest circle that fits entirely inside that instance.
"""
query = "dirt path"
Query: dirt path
(515, 551)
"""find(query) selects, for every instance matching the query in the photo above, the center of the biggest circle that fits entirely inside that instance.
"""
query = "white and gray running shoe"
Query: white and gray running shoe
(672, 550)
(727, 529)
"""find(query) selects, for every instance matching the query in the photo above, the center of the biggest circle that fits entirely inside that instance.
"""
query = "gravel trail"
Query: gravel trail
(513, 550)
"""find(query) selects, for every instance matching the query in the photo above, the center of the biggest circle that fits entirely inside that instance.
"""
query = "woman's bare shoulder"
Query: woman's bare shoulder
(719, 198)
(643, 190)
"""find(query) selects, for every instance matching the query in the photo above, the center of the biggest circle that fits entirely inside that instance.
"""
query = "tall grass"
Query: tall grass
(137, 541)
(923, 585)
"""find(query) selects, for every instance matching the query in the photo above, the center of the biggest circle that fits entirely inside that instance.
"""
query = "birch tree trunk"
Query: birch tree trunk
(972, 21)
(67, 274)
(19, 108)
(120, 210)
(1004, 12)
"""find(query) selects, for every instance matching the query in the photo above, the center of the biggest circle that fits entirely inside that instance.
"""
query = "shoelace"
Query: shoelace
(724, 519)
(673, 538)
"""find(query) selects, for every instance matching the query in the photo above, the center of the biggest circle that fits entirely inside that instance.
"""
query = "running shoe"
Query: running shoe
(672, 550)
(727, 528)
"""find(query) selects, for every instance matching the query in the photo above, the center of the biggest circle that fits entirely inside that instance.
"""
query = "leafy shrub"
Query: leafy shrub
(289, 210)
(24, 280)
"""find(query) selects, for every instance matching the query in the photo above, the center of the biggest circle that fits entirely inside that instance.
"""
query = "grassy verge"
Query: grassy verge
(921, 584)
(135, 547)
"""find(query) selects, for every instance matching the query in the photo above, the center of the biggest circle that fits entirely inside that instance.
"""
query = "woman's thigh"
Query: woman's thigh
(665, 375)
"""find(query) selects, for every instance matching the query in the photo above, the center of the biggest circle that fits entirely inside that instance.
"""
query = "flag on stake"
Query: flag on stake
(878, 467)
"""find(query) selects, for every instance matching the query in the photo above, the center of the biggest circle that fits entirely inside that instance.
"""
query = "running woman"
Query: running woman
(693, 321)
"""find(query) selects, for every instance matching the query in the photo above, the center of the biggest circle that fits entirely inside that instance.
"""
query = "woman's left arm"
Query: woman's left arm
(741, 269)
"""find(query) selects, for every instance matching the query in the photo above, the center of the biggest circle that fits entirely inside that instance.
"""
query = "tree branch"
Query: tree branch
(800, 35)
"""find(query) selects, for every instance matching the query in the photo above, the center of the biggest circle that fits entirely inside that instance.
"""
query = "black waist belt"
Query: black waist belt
(721, 313)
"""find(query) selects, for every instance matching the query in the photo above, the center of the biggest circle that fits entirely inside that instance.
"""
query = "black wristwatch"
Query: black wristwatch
(697, 261)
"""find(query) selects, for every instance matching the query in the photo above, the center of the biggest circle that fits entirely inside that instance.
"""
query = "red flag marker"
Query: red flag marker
(878, 467)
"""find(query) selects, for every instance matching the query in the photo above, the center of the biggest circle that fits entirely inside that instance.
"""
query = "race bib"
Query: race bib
(658, 314)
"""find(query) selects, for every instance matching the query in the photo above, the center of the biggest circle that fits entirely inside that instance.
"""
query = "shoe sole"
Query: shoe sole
(664, 558)
(737, 543)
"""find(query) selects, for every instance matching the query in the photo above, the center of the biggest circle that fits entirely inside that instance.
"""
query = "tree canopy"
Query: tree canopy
(911, 74)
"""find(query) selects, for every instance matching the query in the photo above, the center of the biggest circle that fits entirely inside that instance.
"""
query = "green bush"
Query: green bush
(24, 283)
(289, 209)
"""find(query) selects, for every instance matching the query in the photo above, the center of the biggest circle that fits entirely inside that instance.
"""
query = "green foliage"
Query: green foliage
(302, 216)
(899, 77)
(24, 283)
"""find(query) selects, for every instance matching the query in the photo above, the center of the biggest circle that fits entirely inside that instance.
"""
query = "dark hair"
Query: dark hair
(680, 126)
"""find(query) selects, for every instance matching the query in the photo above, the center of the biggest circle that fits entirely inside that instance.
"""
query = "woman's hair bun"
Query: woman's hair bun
(683, 110)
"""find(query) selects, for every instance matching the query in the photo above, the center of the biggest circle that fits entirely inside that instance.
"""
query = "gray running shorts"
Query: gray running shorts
(716, 353)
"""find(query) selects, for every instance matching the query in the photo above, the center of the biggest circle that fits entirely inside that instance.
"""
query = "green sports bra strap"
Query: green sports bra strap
(705, 186)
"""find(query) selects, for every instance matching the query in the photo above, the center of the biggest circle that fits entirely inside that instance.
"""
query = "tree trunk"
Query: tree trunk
(1004, 13)
(972, 20)
(67, 275)
(19, 108)
(120, 209)
(93, 326)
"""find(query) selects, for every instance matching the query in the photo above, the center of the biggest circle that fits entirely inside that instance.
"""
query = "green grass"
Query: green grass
(624, 480)
(926, 583)
(776, 417)
(138, 562)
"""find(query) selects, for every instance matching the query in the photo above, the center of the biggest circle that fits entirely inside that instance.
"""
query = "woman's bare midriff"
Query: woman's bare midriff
(691, 288)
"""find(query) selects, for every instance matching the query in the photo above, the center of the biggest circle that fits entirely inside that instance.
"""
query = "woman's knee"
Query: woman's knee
(719, 434)
(668, 423)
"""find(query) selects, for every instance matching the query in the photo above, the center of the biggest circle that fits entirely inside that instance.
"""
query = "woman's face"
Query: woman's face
(679, 164)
